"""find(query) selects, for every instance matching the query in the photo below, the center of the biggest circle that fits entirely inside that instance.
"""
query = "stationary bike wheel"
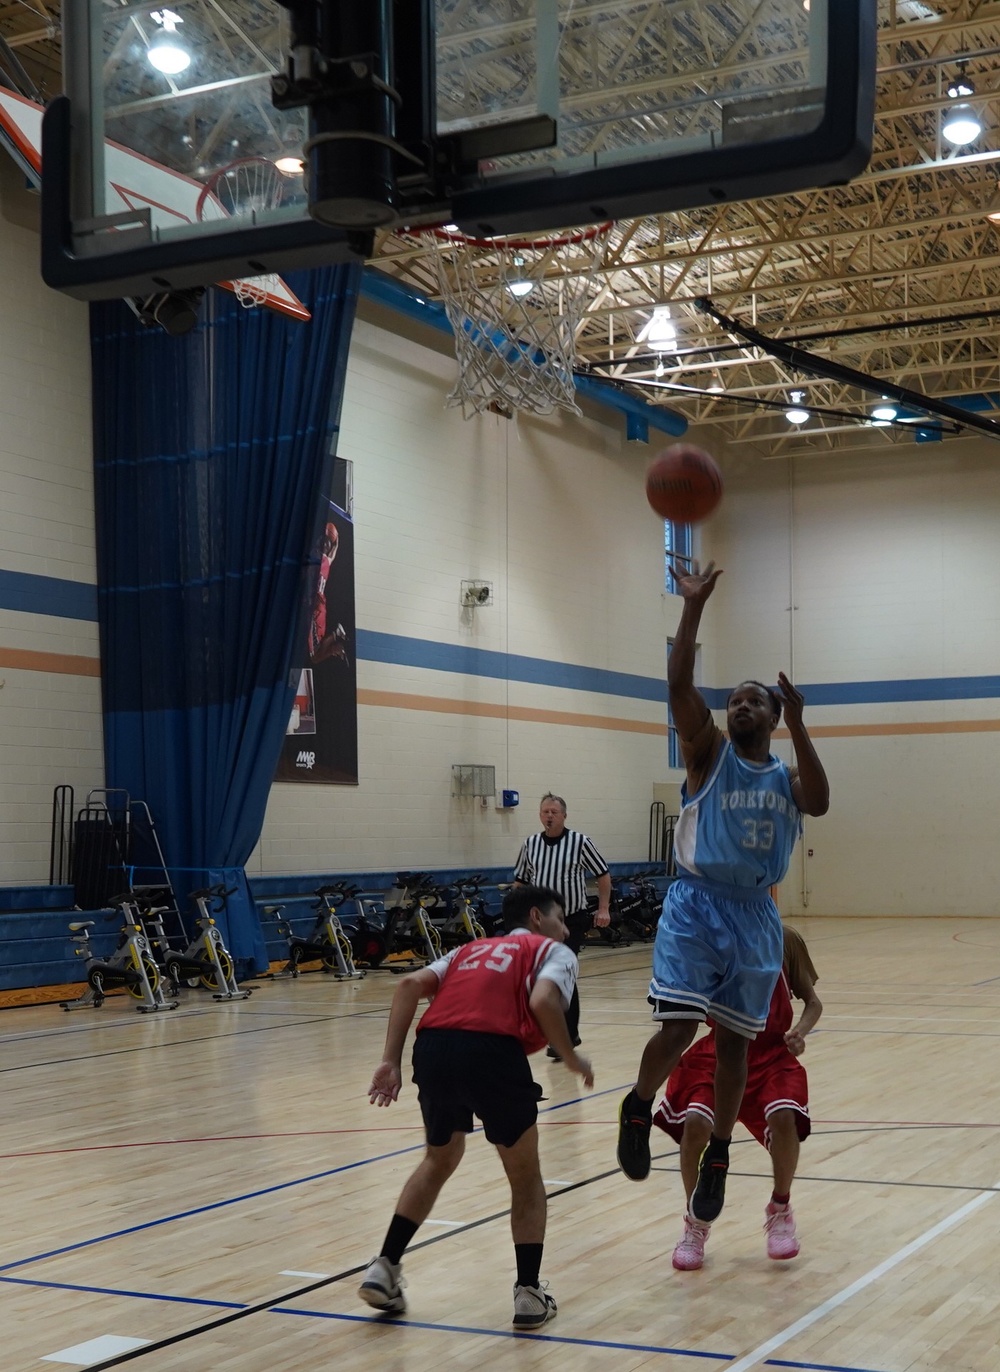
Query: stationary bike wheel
(152, 976)
(210, 980)
(477, 929)
(434, 934)
(330, 958)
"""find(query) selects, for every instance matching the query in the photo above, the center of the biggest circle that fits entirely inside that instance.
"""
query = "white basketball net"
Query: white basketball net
(254, 290)
(245, 188)
(515, 306)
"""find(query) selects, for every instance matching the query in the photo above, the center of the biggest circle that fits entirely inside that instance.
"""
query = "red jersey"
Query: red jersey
(486, 988)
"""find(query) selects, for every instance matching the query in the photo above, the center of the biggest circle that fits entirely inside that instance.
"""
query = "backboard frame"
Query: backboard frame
(83, 259)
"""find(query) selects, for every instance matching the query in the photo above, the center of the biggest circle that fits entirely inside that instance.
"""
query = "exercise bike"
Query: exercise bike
(205, 961)
(410, 901)
(327, 941)
(131, 965)
(463, 924)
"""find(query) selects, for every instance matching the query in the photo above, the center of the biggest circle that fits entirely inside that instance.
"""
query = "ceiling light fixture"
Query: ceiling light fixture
(961, 126)
(290, 165)
(520, 286)
(659, 331)
(165, 52)
(795, 414)
(885, 412)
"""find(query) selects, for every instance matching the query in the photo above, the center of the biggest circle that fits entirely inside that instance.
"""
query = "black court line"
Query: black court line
(181, 1043)
(92, 1028)
(277, 1304)
(270, 1304)
(208, 1326)
(266, 1190)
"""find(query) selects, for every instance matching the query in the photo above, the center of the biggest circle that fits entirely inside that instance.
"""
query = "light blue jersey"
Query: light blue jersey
(740, 827)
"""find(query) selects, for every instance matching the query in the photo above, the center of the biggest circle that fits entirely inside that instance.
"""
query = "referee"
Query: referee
(562, 859)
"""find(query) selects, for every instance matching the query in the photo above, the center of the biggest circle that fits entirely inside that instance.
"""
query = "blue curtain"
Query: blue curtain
(211, 454)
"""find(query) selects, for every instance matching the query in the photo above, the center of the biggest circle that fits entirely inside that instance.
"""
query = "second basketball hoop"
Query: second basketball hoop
(245, 190)
(515, 305)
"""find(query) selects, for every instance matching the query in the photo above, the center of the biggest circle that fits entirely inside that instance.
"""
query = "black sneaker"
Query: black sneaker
(709, 1194)
(633, 1141)
(550, 1052)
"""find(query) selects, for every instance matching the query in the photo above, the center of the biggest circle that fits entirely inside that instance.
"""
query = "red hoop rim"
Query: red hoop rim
(209, 187)
(550, 240)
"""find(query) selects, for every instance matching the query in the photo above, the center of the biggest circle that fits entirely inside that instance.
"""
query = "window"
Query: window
(678, 548)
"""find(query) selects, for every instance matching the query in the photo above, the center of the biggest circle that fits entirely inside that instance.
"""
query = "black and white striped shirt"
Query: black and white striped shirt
(562, 863)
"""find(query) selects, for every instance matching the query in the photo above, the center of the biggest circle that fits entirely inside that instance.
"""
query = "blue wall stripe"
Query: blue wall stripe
(50, 595)
(47, 595)
(539, 671)
(885, 692)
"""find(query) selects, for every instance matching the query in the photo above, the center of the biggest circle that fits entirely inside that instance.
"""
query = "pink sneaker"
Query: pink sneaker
(690, 1252)
(779, 1225)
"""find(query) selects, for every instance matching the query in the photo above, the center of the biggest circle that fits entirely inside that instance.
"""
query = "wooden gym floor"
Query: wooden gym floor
(202, 1187)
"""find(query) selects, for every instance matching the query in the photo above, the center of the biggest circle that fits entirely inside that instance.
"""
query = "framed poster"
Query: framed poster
(321, 740)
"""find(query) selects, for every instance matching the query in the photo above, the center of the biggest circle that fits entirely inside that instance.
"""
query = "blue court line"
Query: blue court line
(814, 1366)
(204, 1209)
(420, 1324)
(504, 1334)
(132, 1295)
(264, 1191)
(371, 1319)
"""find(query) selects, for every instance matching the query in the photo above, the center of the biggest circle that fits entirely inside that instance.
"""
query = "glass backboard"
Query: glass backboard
(224, 138)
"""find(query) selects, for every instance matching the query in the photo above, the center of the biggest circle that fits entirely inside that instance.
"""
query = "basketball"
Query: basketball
(683, 484)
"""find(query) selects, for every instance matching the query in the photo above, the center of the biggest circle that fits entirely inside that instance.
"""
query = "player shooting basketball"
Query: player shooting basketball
(718, 947)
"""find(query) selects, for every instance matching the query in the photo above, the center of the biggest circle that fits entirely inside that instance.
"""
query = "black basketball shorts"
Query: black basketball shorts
(460, 1073)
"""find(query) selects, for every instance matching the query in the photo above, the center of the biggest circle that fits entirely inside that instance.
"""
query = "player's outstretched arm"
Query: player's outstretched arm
(388, 1075)
(687, 704)
(810, 789)
(545, 1003)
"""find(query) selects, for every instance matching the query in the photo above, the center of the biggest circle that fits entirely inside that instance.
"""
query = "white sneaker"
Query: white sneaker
(382, 1286)
(690, 1252)
(533, 1307)
(779, 1225)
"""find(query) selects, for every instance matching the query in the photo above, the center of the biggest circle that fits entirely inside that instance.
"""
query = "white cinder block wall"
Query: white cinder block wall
(552, 512)
(50, 701)
(890, 563)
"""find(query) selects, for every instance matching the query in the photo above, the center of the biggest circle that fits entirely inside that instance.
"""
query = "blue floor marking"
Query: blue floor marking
(426, 1324)
(504, 1333)
(814, 1366)
(253, 1195)
(132, 1295)
(375, 1319)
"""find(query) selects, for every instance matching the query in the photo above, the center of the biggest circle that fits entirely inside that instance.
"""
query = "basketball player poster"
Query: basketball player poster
(321, 741)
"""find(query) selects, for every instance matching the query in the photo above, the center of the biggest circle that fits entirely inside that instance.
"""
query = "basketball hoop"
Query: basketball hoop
(515, 305)
(243, 189)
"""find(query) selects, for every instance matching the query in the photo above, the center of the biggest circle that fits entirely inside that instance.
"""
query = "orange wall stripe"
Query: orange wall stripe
(65, 663)
(442, 705)
(439, 705)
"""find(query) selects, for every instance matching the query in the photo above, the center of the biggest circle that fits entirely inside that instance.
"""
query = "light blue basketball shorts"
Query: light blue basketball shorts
(718, 952)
